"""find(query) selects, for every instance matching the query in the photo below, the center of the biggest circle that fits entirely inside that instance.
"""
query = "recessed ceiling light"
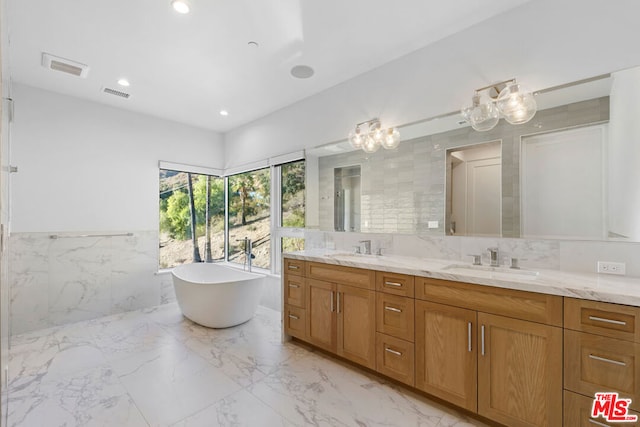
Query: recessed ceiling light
(123, 82)
(224, 113)
(302, 71)
(253, 44)
(181, 6)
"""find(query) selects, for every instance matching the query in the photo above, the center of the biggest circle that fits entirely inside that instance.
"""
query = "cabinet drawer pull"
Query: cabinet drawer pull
(293, 267)
(338, 302)
(482, 340)
(293, 286)
(396, 284)
(395, 310)
(592, 421)
(602, 319)
(469, 336)
(332, 301)
(389, 350)
(291, 316)
(603, 359)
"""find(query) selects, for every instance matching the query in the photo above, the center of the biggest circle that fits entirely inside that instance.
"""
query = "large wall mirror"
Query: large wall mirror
(573, 172)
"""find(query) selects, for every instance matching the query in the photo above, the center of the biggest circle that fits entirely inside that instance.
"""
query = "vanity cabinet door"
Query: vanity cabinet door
(320, 311)
(446, 364)
(356, 309)
(519, 371)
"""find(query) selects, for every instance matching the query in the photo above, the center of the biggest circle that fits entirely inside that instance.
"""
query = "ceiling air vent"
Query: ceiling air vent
(68, 66)
(119, 93)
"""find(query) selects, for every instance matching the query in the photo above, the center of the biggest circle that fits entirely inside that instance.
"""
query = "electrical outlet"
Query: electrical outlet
(607, 267)
(432, 224)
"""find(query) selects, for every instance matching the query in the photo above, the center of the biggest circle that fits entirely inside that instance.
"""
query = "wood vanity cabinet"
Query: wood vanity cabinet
(395, 322)
(577, 413)
(341, 316)
(501, 353)
(470, 348)
(446, 353)
(294, 292)
(602, 349)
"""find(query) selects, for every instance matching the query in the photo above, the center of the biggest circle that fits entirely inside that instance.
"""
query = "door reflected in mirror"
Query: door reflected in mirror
(346, 203)
(474, 176)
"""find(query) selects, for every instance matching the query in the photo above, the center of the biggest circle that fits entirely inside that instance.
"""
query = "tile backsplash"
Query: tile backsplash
(564, 255)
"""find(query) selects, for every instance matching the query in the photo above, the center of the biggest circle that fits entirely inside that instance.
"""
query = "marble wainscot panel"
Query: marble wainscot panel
(68, 279)
(608, 288)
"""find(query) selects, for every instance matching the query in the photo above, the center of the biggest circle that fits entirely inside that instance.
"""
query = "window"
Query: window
(292, 205)
(293, 194)
(191, 218)
(249, 216)
(201, 214)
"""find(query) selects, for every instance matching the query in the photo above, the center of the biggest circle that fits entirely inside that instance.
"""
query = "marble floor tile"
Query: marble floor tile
(166, 400)
(90, 398)
(153, 367)
(238, 409)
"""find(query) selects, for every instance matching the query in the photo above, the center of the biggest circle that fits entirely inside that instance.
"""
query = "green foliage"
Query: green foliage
(249, 195)
(178, 215)
(174, 206)
(292, 179)
(293, 186)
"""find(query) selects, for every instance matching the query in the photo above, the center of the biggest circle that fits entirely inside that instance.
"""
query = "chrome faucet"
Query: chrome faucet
(493, 257)
(248, 255)
(367, 246)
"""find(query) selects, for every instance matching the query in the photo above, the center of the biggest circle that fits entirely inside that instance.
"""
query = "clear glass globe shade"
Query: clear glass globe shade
(391, 139)
(356, 139)
(516, 104)
(370, 145)
(378, 134)
(482, 117)
(181, 6)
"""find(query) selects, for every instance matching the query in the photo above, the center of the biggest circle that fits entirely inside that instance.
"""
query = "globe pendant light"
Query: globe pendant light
(374, 137)
(505, 99)
(516, 104)
(483, 115)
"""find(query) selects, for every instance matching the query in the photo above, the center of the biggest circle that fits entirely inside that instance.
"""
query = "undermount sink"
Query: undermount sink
(349, 255)
(486, 270)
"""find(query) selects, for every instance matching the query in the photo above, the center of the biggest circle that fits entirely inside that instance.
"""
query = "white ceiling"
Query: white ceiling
(187, 68)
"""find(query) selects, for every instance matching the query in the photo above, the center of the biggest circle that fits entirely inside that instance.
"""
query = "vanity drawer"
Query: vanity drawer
(577, 412)
(541, 308)
(397, 284)
(293, 266)
(395, 358)
(294, 321)
(395, 316)
(358, 277)
(593, 363)
(294, 290)
(602, 318)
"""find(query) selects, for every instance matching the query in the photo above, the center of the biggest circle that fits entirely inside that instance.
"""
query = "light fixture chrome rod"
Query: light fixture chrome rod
(496, 85)
(368, 122)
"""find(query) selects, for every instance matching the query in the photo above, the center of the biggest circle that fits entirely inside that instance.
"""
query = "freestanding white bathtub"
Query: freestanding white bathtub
(217, 296)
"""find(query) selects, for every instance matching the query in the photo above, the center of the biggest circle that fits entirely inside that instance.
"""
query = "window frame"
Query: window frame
(277, 231)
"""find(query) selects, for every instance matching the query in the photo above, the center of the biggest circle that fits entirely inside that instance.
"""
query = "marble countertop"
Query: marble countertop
(592, 286)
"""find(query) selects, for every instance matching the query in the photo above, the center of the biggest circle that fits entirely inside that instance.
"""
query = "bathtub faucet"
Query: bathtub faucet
(248, 255)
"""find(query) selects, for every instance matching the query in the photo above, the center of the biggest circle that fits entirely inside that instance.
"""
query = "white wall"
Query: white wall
(542, 43)
(624, 155)
(87, 166)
